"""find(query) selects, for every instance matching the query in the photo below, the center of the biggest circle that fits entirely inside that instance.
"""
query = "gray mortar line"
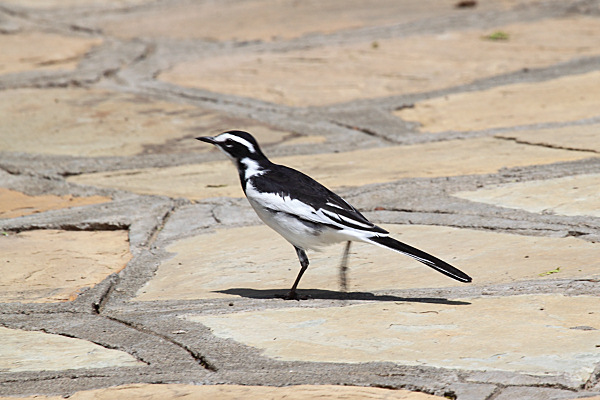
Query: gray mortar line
(200, 359)
(254, 108)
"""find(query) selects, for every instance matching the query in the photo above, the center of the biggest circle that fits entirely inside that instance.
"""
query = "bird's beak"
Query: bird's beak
(207, 139)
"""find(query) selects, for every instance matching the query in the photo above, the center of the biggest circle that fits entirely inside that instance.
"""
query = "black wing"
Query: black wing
(293, 184)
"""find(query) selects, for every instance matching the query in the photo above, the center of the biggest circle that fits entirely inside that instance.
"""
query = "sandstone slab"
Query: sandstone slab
(564, 99)
(52, 266)
(538, 334)
(42, 51)
(58, 4)
(38, 351)
(231, 262)
(95, 122)
(338, 73)
(16, 204)
(577, 137)
(268, 21)
(236, 392)
(572, 195)
(335, 170)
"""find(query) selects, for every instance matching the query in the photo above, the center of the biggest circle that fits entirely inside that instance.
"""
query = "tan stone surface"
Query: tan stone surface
(50, 4)
(38, 351)
(93, 122)
(353, 168)
(30, 51)
(536, 335)
(563, 99)
(16, 204)
(236, 392)
(577, 137)
(573, 195)
(268, 20)
(50, 266)
(257, 258)
(338, 73)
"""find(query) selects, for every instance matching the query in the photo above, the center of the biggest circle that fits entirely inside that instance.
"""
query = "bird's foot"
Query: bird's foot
(292, 296)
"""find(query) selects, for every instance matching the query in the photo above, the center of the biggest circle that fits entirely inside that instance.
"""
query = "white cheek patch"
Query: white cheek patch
(252, 168)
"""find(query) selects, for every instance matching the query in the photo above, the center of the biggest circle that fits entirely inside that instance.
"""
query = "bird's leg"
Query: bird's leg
(292, 295)
(344, 267)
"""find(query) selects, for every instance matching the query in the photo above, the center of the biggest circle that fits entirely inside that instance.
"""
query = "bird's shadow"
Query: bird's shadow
(335, 295)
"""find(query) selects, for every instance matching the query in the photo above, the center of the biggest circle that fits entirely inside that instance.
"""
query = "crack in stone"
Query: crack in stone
(546, 145)
(195, 355)
(74, 227)
(364, 130)
(104, 345)
(495, 393)
(153, 234)
(593, 380)
(149, 50)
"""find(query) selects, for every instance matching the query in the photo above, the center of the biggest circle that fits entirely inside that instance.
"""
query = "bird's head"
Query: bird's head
(237, 145)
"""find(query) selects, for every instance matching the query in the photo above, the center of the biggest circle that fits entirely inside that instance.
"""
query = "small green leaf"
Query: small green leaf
(497, 36)
(554, 271)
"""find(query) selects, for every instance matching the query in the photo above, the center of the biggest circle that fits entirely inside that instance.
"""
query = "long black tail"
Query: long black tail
(423, 257)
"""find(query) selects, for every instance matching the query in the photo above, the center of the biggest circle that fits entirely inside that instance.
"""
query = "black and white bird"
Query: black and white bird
(306, 213)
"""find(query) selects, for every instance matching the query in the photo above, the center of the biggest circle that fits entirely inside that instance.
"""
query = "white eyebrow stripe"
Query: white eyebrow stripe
(225, 136)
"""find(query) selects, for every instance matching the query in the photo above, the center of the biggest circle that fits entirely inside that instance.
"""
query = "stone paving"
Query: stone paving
(132, 266)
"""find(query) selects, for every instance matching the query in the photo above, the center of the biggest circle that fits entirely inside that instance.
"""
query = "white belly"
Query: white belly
(302, 234)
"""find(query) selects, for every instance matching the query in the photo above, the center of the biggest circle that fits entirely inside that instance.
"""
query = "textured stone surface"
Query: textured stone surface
(572, 195)
(564, 99)
(541, 393)
(202, 266)
(332, 74)
(122, 88)
(578, 137)
(38, 351)
(108, 123)
(353, 168)
(15, 204)
(537, 335)
(58, 4)
(235, 392)
(51, 266)
(269, 21)
(40, 51)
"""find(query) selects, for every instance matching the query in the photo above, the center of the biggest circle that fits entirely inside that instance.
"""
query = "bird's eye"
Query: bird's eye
(228, 143)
